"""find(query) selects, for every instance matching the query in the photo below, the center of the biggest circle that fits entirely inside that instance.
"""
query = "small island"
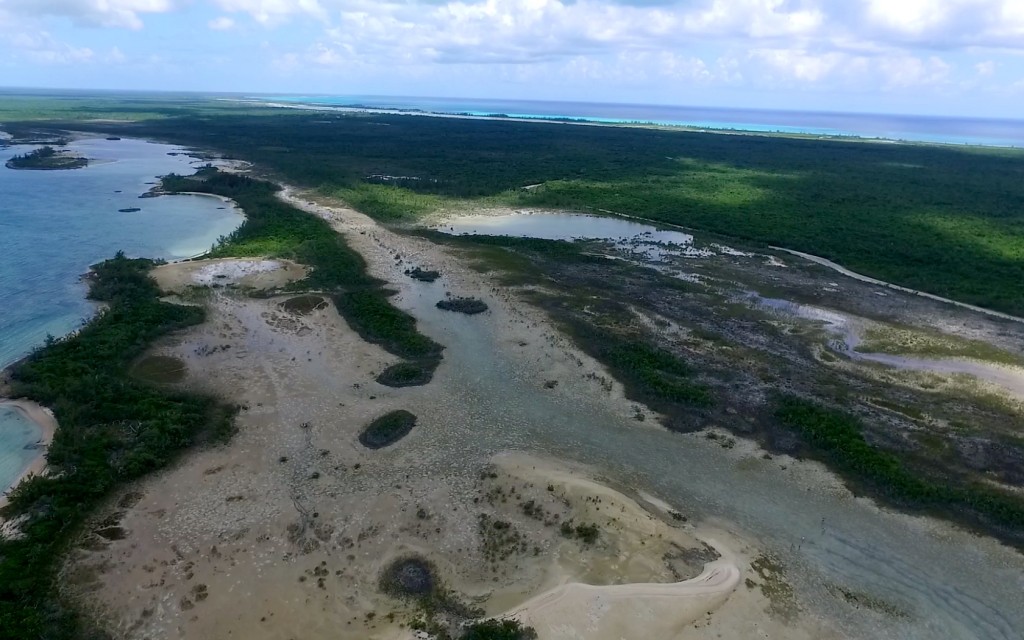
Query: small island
(47, 158)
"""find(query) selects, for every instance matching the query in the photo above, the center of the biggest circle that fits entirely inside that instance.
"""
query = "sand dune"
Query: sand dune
(576, 611)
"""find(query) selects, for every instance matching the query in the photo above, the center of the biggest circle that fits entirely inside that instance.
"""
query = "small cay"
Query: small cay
(47, 158)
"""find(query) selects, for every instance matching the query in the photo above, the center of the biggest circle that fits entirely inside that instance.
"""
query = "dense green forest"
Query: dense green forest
(112, 429)
(943, 219)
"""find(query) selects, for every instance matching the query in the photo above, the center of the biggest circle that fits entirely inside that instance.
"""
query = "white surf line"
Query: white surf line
(857, 276)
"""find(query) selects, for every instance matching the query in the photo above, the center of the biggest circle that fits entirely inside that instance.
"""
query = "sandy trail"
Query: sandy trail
(44, 419)
(882, 283)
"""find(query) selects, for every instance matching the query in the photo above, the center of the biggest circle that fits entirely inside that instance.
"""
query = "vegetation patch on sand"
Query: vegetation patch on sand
(47, 158)
(112, 429)
(468, 306)
(387, 429)
(932, 344)
(408, 374)
(159, 370)
(423, 275)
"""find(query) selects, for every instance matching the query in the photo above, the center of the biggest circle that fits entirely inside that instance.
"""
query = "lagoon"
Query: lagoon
(55, 224)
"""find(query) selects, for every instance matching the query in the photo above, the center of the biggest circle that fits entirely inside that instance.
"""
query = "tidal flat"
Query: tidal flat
(291, 524)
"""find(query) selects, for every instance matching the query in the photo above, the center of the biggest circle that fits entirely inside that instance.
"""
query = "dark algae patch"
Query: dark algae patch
(410, 577)
(408, 374)
(387, 429)
(423, 275)
(442, 613)
(304, 305)
(159, 370)
(47, 158)
(468, 306)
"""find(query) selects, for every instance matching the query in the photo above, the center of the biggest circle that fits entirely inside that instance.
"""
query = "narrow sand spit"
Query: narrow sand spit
(44, 419)
(577, 611)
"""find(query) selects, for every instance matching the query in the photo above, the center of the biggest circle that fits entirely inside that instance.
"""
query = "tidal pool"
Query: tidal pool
(18, 436)
(648, 241)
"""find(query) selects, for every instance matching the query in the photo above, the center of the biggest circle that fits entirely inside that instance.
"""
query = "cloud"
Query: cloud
(273, 12)
(986, 68)
(94, 13)
(43, 48)
(223, 23)
(909, 71)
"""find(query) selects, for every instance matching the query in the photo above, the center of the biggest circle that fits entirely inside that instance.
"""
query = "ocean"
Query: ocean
(930, 129)
(55, 224)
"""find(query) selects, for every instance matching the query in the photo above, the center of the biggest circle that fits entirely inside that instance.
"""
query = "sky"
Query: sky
(931, 57)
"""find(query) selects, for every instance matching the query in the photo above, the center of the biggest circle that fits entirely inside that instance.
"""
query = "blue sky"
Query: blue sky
(942, 57)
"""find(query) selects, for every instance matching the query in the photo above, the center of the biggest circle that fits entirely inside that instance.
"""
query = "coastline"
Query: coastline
(43, 418)
(783, 131)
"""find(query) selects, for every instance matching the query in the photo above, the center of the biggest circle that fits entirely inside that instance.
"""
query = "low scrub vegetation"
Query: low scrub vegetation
(838, 438)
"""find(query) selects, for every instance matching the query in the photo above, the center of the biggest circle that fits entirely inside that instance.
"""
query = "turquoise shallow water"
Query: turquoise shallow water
(932, 129)
(17, 437)
(55, 224)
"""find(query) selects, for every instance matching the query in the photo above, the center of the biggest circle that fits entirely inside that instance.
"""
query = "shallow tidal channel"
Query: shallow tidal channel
(937, 581)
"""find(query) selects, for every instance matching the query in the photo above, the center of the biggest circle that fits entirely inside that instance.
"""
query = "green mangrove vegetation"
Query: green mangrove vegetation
(113, 429)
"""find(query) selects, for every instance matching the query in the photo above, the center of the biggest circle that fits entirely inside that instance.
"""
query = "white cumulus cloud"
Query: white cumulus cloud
(223, 23)
(98, 13)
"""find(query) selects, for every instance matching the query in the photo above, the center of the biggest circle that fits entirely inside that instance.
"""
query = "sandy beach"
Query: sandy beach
(44, 419)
